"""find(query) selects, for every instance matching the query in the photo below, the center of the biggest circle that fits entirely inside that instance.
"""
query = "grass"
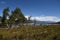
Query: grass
(43, 32)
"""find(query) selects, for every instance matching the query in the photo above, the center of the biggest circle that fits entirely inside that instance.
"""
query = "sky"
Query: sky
(41, 10)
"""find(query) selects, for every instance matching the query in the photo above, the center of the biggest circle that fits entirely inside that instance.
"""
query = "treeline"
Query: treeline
(8, 19)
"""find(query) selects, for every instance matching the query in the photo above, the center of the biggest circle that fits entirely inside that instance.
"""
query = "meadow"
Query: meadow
(42, 32)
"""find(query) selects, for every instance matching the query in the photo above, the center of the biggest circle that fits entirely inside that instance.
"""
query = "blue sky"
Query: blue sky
(34, 8)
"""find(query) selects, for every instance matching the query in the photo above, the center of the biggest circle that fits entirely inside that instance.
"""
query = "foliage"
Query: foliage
(4, 18)
(16, 15)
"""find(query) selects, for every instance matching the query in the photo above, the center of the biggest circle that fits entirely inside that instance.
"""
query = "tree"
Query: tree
(19, 15)
(29, 18)
(16, 15)
(4, 18)
(11, 20)
(34, 22)
(0, 21)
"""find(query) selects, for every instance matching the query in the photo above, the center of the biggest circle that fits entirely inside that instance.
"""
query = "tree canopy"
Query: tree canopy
(15, 15)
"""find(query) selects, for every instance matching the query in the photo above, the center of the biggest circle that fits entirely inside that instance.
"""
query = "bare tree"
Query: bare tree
(34, 22)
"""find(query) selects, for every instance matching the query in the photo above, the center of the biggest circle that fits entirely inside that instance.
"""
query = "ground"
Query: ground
(42, 32)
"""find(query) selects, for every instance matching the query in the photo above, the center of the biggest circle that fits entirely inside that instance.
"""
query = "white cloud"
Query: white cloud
(45, 18)
(2, 2)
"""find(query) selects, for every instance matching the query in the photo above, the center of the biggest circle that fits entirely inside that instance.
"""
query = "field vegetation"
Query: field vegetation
(43, 32)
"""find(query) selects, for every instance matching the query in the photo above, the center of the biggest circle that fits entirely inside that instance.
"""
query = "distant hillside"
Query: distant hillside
(57, 23)
(44, 22)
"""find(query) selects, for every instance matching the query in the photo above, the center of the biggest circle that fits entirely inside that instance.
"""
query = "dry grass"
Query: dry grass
(44, 32)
